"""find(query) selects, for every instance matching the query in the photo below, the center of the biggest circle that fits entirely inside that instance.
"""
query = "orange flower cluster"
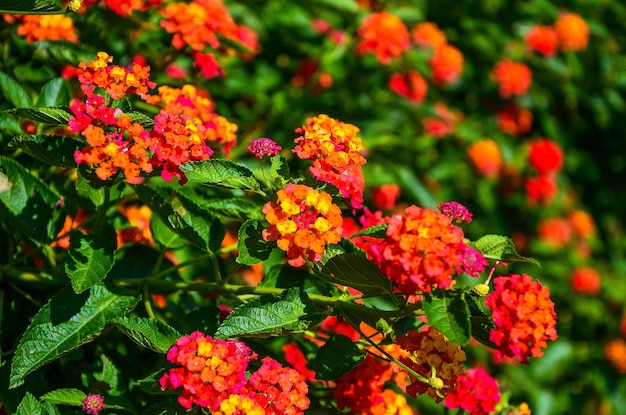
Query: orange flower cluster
(428, 34)
(543, 39)
(212, 374)
(422, 250)
(410, 85)
(302, 221)
(384, 35)
(485, 156)
(44, 27)
(514, 120)
(139, 231)
(541, 189)
(582, 223)
(572, 31)
(615, 352)
(585, 280)
(385, 196)
(195, 105)
(335, 150)
(558, 232)
(430, 354)
(447, 60)
(555, 231)
(523, 315)
(361, 390)
(513, 78)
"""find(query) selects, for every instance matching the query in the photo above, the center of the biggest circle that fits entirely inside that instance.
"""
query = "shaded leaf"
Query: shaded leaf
(336, 358)
(152, 334)
(51, 149)
(90, 257)
(54, 93)
(65, 396)
(30, 406)
(66, 322)
(481, 323)
(271, 315)
(353, 270)
(164, 234)
(500, 248)
(31, 7)
(252, 248)
(48, 115)
(220, 173)
(14, 92)
(448, 312)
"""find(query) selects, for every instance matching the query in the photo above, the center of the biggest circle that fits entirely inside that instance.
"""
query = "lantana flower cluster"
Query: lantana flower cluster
(476, 392)
(37, 28)
(523, 315)
(212, 374)
(570, 33)
(302, 222)
(335, 150)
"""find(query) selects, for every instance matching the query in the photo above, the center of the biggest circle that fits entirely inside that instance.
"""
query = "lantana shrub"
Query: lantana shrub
(270, 207)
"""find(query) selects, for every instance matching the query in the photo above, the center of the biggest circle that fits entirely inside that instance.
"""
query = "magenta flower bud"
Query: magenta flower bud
(262, 147)
(456, 211)
(93, 403)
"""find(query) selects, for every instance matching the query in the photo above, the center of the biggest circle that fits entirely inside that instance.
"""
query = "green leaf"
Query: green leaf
(252, 248)
(235, 208)
(353, 270)
(164, 235)
(279, 171)
(151, 334)
(26, 203)
(54, 93)
(31, 7)
(336, 357)
(377, 231)
(13, 91)
(348, 6)
(30, 406)
(65, 396)
(150, 383)
(500, 248)
(448, 312)
(219, 172)
(90, 257)
(480, 321)
(183, 216)
(49, 115)
(119, 403)
(271, 315)
(66, 322)
(111, 376)
(140, 118)
(90, 186)
(50, 149)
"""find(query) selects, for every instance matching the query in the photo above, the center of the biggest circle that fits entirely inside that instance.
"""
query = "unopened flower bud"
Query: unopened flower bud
(74, 5)
(436, 383)
(481, 290)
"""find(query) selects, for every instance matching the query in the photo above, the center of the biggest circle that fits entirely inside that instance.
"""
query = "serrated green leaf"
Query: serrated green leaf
(54, 93)
(270, 315)
(252, 248)
(91, 187)
(353, 270)
(448, 312)
(235, 208)
(31, 7)
(65, 396)
(66, 322)
(336, 357)
(150, 383)
(481, 323)
(164, 235)
(279, 171)
(500, 248)
(378, 231)
(30, 406)
(119, 403)
(183, 216)
(152, 334)
(141, 119)
(48, 115)
(14, 92)
(111, 376)
(219, 172)
(26, 203)
(50, 149)
(90, 257)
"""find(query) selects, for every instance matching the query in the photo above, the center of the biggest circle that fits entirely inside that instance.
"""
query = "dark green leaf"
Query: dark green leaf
(220, 173)
(51, 149)
(26, 203)
(480, 321)
(358, 272)
(152, 334)
(90, 257)
(500, 248)
(14, 92)
(66, 396)
(54, 93)
(378, 231)
(236, 208)
(66, 322)
(88, 185)
(448, 312)
(111, 376)
(336, 357)
(30, 406)
(150, 383)
(164, 408)
(204, 319)
(252, 248)
(50, 115)
(119, 403)
(31, 7)
(271, 315)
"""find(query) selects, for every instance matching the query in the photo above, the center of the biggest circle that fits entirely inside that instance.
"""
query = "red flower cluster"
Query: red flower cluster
(384, 35)
(523, 315)
(422, 250)
(385, 196)
(213, 375)
(476, 392)
(541, 189)
(410, 85)
(485, 157)
(513, 78)
(554, 231)
(126, 7)
(302, 221)
(514, 120)
(427, 353)
(361, 390)
(446, 62)
(543, 39)
(545, 156)
(335, 150)
(442, 123)
(585, 280)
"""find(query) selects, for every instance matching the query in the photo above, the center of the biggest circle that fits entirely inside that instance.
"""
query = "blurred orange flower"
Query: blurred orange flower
(615, 352)
(384, 35)
(585, 280)
(428, 34)
(555, 232)
(485, 157)
(446, 64)
(514, 120)
(513, 78)
(572, 31)
(582, 223)
(47, 27)
(410, 85)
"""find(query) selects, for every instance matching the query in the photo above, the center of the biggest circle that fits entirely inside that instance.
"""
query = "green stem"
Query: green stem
(102, 210)
(146, 301)
(176, 267)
